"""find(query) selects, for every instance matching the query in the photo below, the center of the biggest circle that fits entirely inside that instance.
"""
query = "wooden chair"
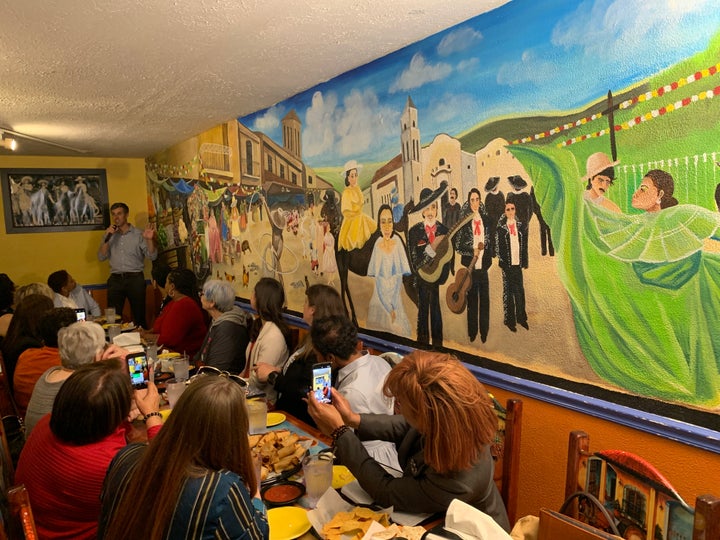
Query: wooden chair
(21, 523)
(506, 452)
(638, 500)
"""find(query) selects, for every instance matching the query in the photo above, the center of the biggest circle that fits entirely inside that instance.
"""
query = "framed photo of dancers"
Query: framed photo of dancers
(54, 200)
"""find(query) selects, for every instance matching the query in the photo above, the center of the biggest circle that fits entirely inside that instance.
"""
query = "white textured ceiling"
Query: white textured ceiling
(129, 78)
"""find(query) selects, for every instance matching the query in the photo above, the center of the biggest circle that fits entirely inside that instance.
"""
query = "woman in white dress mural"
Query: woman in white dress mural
(388, 265)
(329, 262)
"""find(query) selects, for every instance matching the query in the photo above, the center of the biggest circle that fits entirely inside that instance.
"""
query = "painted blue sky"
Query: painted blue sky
(524, 57)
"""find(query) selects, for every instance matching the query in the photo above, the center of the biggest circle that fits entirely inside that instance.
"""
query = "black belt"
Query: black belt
(124, 275)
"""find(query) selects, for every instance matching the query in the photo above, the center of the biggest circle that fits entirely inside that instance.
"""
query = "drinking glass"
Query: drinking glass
(181, 367)
(151, 348)
(113, 332)
(174, 389)
(318, 473)
(110, 315)
(257, 415)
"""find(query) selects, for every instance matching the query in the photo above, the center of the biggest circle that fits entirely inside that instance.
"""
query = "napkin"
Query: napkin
(469, 523)
(127, 339)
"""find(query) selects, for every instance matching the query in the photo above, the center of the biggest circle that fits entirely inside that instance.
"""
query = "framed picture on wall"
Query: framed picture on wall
(54, 200)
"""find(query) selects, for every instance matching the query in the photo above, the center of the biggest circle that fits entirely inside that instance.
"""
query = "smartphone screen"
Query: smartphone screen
(80, 314)
(322, 382)
(138, 368)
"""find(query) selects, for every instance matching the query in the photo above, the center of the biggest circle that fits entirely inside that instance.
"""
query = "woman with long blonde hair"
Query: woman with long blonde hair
(443, 437)
(196, 479)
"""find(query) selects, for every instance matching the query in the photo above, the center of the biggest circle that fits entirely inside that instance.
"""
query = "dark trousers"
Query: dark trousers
(429, 308)
(513, 296)
(130, 285)
(478, 305)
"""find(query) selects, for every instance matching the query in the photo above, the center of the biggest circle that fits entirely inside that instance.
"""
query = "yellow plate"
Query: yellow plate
(341, 476)
(275, 418)
(167, 355)
(287, 522)
(165, 413)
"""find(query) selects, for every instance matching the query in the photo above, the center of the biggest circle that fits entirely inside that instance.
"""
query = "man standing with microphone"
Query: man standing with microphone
(127, 247)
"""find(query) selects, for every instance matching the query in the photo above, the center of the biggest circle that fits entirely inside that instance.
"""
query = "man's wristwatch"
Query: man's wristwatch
(273, 377)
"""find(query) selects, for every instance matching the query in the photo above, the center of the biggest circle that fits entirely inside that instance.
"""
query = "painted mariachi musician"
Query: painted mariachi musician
(429, 247)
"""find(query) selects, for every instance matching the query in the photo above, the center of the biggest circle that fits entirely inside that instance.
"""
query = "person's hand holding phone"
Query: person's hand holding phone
(350, 417)
(326, 416)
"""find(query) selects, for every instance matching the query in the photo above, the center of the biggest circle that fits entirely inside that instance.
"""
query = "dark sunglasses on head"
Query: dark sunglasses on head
(213, 371)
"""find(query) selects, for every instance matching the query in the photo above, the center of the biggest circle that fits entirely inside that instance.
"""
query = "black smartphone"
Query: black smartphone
(80, 314)
(322, 382)
(138, 369)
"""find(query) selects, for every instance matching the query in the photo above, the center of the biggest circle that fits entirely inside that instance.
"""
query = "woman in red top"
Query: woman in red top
(63, 462)
(181, 325)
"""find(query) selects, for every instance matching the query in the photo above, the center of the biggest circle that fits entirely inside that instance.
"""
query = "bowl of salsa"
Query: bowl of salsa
(282, 493)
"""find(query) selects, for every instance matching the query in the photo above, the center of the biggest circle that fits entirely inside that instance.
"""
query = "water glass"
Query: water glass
(257, 415)
(110, 315)
(151, 348)
(113, 332)
(174, 389)
(318, 473)
(181, 367)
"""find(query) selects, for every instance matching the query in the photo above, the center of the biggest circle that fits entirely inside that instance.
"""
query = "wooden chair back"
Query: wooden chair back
(638, 498)
(22, 522)
(506, 452)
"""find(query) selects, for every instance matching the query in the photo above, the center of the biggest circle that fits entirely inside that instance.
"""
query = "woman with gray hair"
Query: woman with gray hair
(228, 337)
(78, 344)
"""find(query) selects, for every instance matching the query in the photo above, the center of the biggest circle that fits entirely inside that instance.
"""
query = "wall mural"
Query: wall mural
(537, 186)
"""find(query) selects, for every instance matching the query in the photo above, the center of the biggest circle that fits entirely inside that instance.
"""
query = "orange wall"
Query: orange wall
(543, 454)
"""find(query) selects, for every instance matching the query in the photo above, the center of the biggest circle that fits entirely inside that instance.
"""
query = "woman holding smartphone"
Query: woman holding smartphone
(443, 437)
(205, 478)
(293, 379)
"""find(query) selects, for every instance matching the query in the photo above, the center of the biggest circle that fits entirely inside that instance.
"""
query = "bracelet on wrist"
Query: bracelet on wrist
(338, 432)
(151, 414)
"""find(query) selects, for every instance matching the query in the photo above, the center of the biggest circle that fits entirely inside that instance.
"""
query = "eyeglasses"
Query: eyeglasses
(213, 371)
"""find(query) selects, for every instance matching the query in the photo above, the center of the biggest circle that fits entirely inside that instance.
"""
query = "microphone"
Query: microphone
(109, 235)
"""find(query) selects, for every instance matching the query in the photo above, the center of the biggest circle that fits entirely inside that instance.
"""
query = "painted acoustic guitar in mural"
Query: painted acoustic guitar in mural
(442, 245)
(456, 295)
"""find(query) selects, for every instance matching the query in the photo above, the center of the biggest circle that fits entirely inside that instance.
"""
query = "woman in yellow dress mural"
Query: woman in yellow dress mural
(356, 227)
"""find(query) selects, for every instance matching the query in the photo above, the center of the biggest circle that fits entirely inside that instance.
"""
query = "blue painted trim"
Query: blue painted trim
(667, 428)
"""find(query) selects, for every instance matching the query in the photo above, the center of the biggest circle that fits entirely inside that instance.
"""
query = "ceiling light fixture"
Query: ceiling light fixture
(4, 142)
(7, 142)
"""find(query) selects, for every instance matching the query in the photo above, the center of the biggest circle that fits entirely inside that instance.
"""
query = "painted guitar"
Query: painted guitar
(456, 294)
(442, 245)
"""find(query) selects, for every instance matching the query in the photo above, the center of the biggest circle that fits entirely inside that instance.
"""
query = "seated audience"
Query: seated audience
(23, 332)
(78, 344)
(7, 293)
(64, 461)
(32, 363)
(33, 288)
(181, 324)
(359, 377)
(443, 436)
(68, 293)
(226, 341)
(209, 487)
(159, 273)
(294, 379)
(269, 335)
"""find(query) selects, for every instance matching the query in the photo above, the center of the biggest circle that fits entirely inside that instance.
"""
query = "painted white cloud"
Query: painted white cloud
(613, 29)
(418, 73)
(459, 40)
(363, 123)
(451, 106)
(348, 129)
(268, 121)
(318, 137)
(469, 64)
(530, 69)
